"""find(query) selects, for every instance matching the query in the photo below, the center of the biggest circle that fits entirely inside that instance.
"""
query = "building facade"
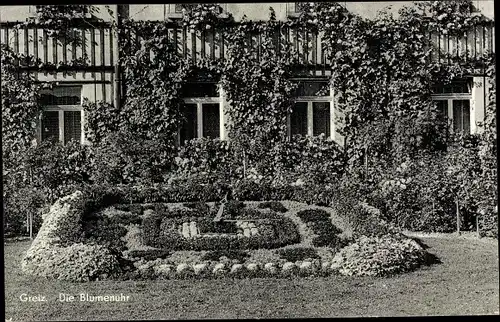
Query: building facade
(314, 113)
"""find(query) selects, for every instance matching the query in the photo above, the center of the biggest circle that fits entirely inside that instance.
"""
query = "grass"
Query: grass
(466, 282)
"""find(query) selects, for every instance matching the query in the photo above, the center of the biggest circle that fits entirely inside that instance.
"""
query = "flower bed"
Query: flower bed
(86, 236)
(271, 231)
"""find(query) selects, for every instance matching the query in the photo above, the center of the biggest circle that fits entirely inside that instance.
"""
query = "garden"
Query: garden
(135, 205)
(84, 239)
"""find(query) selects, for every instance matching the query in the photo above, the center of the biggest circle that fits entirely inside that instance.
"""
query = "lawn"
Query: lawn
(466, 282)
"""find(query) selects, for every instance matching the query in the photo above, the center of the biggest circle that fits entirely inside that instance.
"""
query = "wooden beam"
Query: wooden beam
(92, 49)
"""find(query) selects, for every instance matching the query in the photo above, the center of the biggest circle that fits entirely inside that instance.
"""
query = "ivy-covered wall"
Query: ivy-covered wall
(382, 73)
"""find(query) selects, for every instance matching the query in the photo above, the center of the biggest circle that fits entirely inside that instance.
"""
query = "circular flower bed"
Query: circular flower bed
(61, 250)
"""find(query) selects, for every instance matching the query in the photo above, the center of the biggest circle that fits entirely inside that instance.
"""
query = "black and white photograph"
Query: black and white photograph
(249, 160)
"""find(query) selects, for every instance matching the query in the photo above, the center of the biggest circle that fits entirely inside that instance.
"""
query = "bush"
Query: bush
(362, 218)
(77, 262)
(104, 231)
(314, 160)
(205, 156)
(321, 224)
(232, 208)
(136, 209)
(379, 256)
(230, 254)
(199, 206)
(18, 205)
(273, 205)
(222, 227)
(420, 194)
(125, 219)
(49, 171)
(297, 254)
(59, 168)
(123, 158)
(48, 256)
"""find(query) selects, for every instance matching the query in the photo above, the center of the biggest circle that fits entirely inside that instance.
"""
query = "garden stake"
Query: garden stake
(458, 217)
(31, 225)
(477, 227)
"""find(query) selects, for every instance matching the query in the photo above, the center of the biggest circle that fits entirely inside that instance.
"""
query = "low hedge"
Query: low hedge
(215, 255)
(321, 224)
(149, 254)
(273, 205)
(298, 254)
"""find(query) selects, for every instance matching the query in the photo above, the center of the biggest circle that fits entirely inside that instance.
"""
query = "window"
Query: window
(61, 118)
(202, 110)
(321, 118)
(298, 119)
(461, 116)
(311, 114)
(453, 101)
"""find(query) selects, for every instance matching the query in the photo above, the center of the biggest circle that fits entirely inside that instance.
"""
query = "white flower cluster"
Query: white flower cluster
(163, 268)
(379, 256)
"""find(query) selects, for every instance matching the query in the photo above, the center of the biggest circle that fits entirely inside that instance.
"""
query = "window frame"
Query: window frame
(61, 109)
(310, 100)
(449, 98)
(199, 101)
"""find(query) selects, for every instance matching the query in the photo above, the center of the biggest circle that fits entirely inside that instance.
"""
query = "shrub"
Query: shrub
(104, 231)
(205, 156)
(297, 254)
(18, 205)
(232, 208)
(58, 168)
(489, 222)
(48, 256)
(215, 255)
(135, 209)
(379, 256)
(77, 262)
(315, 160)
(199, 206)
(126, 218)
(362, 218)
(419, 194)
(320, 223)
(273, 205)
(122, 157)
(63, 221)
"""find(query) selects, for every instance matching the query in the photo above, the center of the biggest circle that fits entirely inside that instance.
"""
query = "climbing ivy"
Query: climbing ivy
(383, 74)
(154, 75)
(20, 110)
(200, 16)
(58, 20)
(258, 87)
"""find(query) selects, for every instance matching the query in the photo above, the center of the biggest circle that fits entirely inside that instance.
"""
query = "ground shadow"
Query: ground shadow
(429, 259)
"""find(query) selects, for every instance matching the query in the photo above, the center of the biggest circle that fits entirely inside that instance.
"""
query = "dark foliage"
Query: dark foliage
(297, 254)
(215, 255)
